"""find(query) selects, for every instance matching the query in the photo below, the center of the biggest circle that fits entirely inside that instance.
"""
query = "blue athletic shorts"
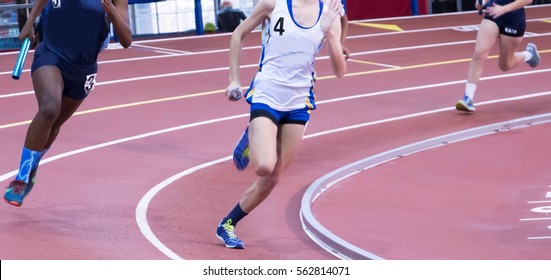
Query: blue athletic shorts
(300, 116)
(511, 24)
(79, 80)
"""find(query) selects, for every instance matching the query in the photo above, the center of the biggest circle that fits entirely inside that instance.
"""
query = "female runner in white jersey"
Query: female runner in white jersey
(282, 92)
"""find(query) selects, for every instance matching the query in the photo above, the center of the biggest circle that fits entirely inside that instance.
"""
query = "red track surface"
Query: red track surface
(84, 203)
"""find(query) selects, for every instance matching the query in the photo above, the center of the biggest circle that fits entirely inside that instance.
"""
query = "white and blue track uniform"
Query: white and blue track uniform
(285, 80)
(74, 33)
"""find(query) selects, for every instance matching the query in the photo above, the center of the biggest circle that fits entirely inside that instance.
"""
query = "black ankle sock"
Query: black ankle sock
(235, 215)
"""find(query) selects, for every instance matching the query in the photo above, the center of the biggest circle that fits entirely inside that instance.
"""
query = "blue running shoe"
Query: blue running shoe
(535, 60)
(465, 104)
(241, 151)
(226, 233)
(15, 193)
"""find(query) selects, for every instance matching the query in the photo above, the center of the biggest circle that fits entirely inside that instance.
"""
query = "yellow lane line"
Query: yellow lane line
(392, 27)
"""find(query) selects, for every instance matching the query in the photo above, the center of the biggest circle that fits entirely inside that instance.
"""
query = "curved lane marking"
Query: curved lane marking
(342, 248)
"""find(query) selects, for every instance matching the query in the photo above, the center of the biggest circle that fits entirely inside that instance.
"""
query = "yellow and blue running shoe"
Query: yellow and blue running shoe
(241, 151)
(226, 233)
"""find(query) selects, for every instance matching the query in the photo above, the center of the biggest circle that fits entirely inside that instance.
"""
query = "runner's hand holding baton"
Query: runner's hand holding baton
(234, 94)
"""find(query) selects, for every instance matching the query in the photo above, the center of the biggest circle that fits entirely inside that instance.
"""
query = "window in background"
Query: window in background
(175, 16)
(9, 26)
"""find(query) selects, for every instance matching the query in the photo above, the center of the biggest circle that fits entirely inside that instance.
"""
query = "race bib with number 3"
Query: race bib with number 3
(90, 83)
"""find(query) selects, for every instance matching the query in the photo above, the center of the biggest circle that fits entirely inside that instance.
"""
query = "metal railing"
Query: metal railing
(7, 7)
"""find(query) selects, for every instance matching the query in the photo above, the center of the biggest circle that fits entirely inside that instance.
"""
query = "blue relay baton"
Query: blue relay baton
(18, 68)
(480, 11)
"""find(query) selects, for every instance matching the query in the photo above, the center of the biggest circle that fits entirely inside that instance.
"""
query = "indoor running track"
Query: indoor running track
(143, 169)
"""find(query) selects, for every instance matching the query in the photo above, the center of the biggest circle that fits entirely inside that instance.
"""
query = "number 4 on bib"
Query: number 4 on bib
(278, 27)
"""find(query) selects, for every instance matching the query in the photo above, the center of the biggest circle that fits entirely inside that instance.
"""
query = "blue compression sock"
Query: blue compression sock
(40, 158)
(29, 161)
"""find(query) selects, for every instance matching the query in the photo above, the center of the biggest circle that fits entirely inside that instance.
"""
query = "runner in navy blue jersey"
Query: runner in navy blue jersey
(64, 71)
(503, 23)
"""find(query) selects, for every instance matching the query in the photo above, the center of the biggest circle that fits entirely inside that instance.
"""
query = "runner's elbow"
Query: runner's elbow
(340, 72)
(126, 45)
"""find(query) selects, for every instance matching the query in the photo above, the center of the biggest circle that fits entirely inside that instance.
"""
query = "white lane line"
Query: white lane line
(168, 55)
(16, 94)
(539, 237)
(435, 45)
(535, 219)
(11, 174)
(159, 49)
(541, 201)
(141, 209)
